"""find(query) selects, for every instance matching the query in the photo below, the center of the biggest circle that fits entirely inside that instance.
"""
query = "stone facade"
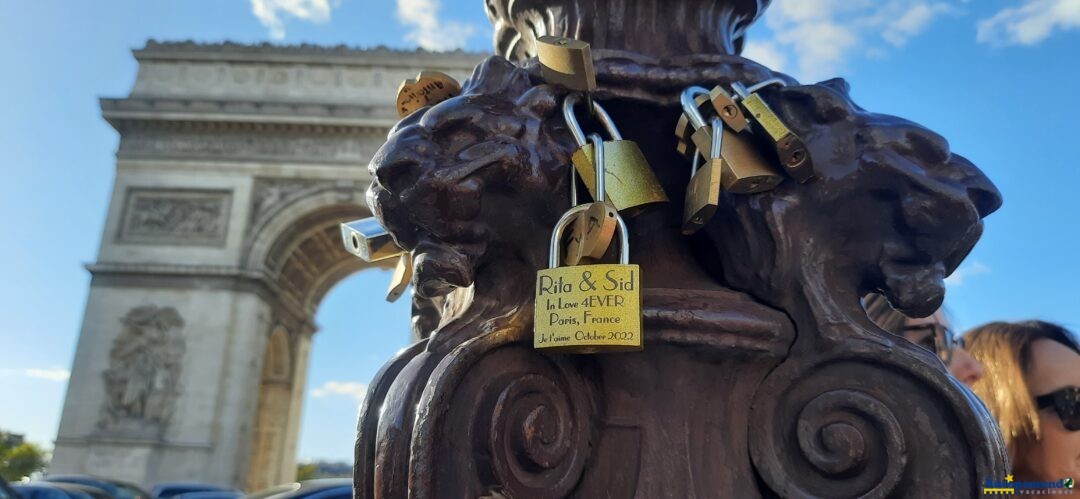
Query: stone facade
(235, 165)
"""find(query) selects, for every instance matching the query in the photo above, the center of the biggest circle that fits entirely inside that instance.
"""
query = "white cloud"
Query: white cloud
(51, 374)
(767, 53)
(822, 35)
(965, 272)
(270, 12)
(348, 388)
(425, 28)
(1030, 23)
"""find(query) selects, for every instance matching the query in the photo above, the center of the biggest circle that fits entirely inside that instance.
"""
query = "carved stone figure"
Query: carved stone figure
(761, 375)
(143, 378)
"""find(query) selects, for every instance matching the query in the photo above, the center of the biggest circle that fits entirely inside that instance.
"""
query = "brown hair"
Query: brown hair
(1004, 349)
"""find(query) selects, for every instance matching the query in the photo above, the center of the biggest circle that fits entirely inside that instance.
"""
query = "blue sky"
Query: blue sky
(996, 77)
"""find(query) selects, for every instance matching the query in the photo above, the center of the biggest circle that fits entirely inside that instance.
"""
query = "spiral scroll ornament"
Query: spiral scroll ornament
(858, 428)
(539, 438)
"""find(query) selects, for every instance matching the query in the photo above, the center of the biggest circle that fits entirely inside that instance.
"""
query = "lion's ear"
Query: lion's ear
(818, 104)
(541, 100)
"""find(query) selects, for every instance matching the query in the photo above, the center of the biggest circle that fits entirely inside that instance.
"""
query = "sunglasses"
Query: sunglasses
(937, 338)
(1066, 403)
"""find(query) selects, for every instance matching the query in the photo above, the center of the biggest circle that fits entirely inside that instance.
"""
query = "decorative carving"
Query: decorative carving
(142, 382)
(270, 193)
(689, 26)
(518, 158)
(343, 148)
(175, 216)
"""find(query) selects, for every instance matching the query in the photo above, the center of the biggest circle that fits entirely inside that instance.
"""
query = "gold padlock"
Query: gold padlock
(790, 148)
(566, 62)
(727, 109)
(588, 308)
(743, 170)
(703, 191)
(427, 89)
(401, 278)
(747, 171)
(594, 227)
(630, 183)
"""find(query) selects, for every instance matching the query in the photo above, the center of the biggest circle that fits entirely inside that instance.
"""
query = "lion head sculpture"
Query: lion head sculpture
(473, 185)
(892, 211)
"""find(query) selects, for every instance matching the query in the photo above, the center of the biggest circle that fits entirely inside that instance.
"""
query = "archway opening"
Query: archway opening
(346, 353)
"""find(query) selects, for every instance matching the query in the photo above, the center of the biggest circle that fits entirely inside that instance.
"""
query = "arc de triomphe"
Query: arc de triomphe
(236, 163)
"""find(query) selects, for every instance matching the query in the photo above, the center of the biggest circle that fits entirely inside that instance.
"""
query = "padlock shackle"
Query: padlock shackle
(742, 91)
(686, 99)
(572, 100)
(598, 167)
(717, 137)
(554, 253)
(766, 83)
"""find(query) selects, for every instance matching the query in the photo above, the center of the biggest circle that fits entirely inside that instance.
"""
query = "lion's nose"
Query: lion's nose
(982, 192)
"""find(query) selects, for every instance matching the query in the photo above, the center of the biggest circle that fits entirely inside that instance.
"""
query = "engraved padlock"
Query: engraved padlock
(794, 157)
(703, 191)
(631, 183)
(427, 89)
(594, 228)
(587, 308)
(567, 62)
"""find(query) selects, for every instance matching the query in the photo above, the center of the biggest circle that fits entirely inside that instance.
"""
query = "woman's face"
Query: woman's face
(1057, 453)
(930, 333)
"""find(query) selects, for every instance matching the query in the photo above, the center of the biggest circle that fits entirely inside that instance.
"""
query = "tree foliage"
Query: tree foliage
(19, 459)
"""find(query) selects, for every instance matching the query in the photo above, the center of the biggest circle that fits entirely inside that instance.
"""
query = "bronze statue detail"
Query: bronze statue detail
(761, 375)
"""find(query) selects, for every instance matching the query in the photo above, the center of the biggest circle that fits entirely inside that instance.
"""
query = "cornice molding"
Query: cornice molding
(305, 54)
(122, 113)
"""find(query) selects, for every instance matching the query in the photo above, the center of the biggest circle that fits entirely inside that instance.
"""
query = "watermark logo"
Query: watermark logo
(1009, 486)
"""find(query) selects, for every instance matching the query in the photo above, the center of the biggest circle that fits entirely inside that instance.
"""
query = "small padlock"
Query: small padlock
(703, 191)
(794, 157)
(595, 227)
(401, 277)
(427, 89)
(367, 239)
(587, 308)
(725, 106)
(747, 171)
(566, 62)
(631, 183)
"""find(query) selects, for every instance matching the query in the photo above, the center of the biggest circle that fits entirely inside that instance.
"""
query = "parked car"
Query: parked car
(172, 489)
(6, 492)
(210, 494)
(322, 488)
(59, 490)
(115, 488)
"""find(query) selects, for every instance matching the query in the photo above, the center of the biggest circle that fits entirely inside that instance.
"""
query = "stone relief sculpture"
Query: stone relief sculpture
(185, 217)
(761, 375)
(142, 382)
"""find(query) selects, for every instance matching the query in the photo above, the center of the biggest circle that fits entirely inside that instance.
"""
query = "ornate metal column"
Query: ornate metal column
(761, 375)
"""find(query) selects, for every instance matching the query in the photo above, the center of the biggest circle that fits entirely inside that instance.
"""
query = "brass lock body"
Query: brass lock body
(703, 191)
(794, 157)
(566, 62)
(594, 228)
(400, 280)
(427, 89)
(588, 308)
(630, 182)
